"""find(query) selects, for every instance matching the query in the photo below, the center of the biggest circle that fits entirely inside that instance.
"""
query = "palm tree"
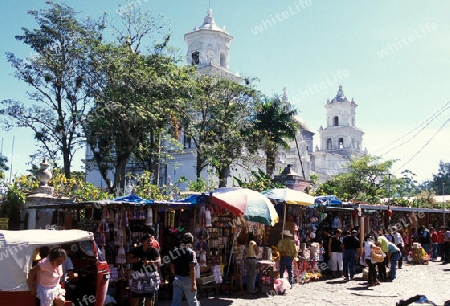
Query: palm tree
(274, 127)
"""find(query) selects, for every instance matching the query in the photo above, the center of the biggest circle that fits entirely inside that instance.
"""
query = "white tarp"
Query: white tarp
(17, 248)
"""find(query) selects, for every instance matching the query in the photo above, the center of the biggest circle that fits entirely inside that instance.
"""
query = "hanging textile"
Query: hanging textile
(208, 218)
(149, 220)
(336, 222)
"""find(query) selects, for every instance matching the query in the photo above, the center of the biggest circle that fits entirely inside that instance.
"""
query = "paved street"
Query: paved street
(431, 280)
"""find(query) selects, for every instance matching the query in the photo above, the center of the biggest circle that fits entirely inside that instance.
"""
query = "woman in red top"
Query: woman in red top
(441, 242)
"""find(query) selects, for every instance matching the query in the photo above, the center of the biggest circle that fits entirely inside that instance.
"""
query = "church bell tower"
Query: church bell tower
(208, 48)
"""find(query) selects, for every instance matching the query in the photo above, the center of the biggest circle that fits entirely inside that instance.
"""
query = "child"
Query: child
(321, 252)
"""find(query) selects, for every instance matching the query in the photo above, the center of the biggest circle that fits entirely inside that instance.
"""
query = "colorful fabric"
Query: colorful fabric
(144, 283)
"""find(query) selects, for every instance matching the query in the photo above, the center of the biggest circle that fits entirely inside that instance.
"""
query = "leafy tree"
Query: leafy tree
(60, 77)
(411, 186)
(135, 106)
(367, 179)
(200, 185)
(274, 126)
(217, 119)
(11, 207)
(314, 179)
(259, 181)
(441, 181)
(145, 189)
(132, 112)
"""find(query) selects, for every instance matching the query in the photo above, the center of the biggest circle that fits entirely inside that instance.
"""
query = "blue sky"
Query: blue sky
(392, 57)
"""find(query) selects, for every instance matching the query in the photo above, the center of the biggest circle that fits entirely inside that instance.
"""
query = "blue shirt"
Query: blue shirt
(67, 265)
(392, 248)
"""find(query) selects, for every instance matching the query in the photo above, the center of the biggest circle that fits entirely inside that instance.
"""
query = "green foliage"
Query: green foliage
(60, 79)
(410, 186)
(199, 185)
(441, 181)
(216, 119)
(274, 126)
(26, 183)
(146, 190)
(314, 179)
(135, 103)
(367, 179)
(259, 181)
(76, 188)
(11, 207)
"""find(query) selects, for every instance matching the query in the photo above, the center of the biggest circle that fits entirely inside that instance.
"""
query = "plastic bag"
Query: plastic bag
(280, 285)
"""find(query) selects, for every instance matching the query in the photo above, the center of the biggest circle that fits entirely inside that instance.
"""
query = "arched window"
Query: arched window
(195, 58)
(329, 145)
(341, 143)
(222, 60)
(336, 121)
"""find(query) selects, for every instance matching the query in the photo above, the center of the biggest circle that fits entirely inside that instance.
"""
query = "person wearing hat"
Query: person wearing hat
(351, 246)
(288, 252)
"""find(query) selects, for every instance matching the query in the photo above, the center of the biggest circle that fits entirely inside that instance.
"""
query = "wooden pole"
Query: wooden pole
(284, 220)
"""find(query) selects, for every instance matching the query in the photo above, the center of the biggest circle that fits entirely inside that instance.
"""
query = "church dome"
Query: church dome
(209, 23)
(340, 97)
(302, 122)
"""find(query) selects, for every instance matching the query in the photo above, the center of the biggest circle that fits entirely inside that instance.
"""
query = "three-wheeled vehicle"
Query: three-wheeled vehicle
(17, 253)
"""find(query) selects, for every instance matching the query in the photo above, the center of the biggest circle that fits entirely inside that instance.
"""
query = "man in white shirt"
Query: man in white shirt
(398, 241)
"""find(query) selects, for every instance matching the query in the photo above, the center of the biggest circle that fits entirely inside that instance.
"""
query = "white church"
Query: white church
(208, 48)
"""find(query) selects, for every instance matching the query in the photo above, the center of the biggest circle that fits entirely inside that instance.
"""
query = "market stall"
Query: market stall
(222, 227)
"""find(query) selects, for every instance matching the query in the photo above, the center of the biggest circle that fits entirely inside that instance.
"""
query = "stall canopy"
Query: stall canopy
(251, 204)
(132, 198)
(328, 200)
(289, 196)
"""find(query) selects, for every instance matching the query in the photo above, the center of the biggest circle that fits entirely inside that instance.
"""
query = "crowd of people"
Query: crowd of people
(382, 253)
(343, 249)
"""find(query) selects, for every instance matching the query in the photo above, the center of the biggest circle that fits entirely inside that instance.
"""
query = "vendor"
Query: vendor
(288, 251)
(144, 280)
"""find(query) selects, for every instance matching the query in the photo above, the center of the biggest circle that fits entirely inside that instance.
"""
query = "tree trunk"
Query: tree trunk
(198, 166)
(224, 173)
(271, 152)
(300, 158)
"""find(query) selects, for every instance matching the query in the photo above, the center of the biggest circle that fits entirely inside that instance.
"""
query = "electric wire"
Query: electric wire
(421, 127)
(423, 147)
